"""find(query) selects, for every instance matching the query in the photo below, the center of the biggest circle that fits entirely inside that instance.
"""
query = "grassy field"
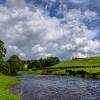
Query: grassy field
(5, 83)
(93, 61)
(53, 71)
(34, 72)
(93, 73)
(88, 67)
(89, 70)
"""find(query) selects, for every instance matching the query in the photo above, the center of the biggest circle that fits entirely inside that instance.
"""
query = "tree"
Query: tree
(15, 64)
(4, 67)
(50, 61)
(34, 64)
(42, 62)
(2, 49)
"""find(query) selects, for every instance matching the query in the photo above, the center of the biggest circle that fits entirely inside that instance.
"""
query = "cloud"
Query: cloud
(32, 33)
(15, 3)
(79, 1)
(38, 49)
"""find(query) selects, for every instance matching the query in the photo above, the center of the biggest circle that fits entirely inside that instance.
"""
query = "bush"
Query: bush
(4, 68)
(95, 75)
(51, 61)
(82, 73)
(71, 72)
(79, 73)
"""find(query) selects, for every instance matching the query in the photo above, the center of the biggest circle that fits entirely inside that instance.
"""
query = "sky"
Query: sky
(41, 28)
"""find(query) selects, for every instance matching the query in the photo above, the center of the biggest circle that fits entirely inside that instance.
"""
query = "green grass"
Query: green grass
(54, 71)
(89, 70)
(41, 72)
(5, 83)
(61, 71)
(93, 61)
(89, 65)
(35, 72)
(58, 71)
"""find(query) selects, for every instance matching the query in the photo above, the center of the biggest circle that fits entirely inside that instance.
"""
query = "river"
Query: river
(57, 88)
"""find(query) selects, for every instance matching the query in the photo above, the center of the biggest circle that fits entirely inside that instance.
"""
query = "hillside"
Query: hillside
(93, 61)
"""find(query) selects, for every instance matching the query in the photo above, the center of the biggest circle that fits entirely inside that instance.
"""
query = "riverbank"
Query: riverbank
(5, 83)
(89, 73)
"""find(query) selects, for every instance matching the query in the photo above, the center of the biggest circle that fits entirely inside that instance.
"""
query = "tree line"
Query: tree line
(15, 64)
(42, 63)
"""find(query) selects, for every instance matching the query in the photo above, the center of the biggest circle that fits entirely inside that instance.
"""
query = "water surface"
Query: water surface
(57, 88)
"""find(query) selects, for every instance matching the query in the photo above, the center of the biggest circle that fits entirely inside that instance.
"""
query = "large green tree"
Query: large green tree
(41, 63)
(4, 66)
(34, 64)
(51, 61)
(2, 50)
(15, 64)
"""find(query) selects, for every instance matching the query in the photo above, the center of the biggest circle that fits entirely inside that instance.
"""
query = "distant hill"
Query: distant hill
(92, 61)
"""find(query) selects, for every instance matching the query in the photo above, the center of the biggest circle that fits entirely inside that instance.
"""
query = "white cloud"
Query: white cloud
(22, 55)
(38, 49)
(31, 33)
(90, 14)
(67, 47)
(44, 55)
(75, 14)
(79, 1)
(12, 47)
(15, 3)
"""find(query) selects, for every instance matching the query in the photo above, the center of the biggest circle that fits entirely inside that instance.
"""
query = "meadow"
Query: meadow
(80, 62)
(53, 71)
(81, 67)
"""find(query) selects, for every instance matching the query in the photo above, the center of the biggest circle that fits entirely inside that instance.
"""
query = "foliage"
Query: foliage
(42, 63)
(34, 64)
(15, 64)
(4, 67)
(50, 61)
(2, 49)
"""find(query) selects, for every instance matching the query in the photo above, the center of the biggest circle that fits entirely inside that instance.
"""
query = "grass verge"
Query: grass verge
(5, 83)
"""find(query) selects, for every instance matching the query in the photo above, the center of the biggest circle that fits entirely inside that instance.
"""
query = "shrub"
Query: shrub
(4, 68)
(95, 75)
(82, 73)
